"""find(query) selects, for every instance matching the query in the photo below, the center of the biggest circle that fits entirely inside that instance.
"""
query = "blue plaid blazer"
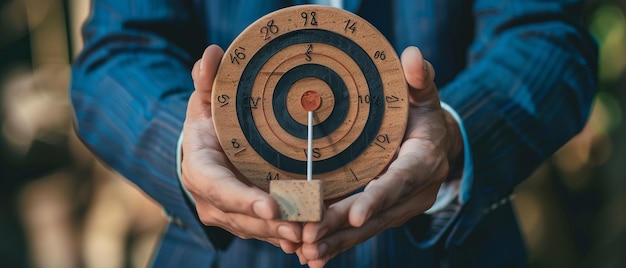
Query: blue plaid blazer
(520, 73)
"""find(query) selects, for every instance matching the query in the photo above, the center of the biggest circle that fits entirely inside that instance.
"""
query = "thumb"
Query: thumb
(203, 74)
(420, 76)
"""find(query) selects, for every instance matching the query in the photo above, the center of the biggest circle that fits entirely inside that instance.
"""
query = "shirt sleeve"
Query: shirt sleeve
(129, 90)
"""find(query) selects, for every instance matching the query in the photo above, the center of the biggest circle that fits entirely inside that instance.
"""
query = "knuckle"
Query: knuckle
(407, 186)
(416, 79)
(407, 183)
(236, 226)
(234, 223)
(185, 180)
(214, 197)
(206, 218)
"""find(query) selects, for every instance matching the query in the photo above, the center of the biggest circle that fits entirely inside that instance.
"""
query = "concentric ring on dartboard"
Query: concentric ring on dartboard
(335, 141)
(288, 81)
(306, 36)
(243, 100)
(300, 91)
(268, 86)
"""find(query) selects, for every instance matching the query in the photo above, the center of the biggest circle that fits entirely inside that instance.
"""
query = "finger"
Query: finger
(301, 257)
(322, 251)
(408, 174)
(335, 217)
(247, 227)
(288, 246)
(204, 71)
(220, 187)
(317, 263)
(203, 74)
(380, 194)
(273, 241)
(420, 76)
(207, 177)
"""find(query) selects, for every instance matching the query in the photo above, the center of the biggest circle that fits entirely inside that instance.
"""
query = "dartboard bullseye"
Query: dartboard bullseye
(319, 59)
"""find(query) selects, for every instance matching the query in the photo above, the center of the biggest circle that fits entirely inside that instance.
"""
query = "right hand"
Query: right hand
(222, 199)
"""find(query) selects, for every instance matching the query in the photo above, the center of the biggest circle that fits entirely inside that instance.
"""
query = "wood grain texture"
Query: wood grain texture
(298, 200)
(347, 62)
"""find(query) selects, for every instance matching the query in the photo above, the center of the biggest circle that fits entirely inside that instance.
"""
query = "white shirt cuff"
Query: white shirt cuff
(179, 171)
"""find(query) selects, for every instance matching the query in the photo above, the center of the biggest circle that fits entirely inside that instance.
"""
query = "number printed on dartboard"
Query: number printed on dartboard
(269, 29)
(260, 111)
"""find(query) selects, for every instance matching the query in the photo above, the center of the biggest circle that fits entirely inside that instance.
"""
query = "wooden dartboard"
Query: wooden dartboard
(345, 62)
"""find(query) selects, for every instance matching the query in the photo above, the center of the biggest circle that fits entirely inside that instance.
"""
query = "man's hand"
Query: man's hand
(221, 199)
(410, 184)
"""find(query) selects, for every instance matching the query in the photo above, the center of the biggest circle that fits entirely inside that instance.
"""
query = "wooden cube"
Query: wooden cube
(298, 200)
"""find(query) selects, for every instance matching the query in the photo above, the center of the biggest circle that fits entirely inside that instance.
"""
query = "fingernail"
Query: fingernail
(202, 63)
(261, 211)
(321, 249)
(286, 232)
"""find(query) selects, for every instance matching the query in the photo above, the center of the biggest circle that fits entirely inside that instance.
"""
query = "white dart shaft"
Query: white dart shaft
(309, 155)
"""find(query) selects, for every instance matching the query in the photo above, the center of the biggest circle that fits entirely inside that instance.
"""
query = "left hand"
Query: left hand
(410, 184)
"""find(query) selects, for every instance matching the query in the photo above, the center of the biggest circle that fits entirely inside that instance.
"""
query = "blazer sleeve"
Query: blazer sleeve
(527, 90)
(129, 90)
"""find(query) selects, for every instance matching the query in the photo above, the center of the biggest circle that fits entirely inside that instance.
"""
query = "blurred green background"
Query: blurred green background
(61, 208)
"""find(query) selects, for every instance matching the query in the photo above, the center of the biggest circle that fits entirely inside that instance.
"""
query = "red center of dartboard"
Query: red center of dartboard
(311, 101)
